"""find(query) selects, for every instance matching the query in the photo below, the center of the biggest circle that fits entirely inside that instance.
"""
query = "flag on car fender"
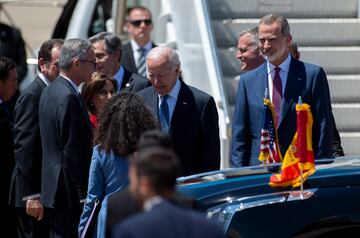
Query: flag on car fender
(299, 156)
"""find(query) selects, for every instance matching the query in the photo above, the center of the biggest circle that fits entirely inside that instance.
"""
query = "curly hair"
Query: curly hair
(124, 119)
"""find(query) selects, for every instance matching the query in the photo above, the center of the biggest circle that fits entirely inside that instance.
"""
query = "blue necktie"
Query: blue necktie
(164, 113)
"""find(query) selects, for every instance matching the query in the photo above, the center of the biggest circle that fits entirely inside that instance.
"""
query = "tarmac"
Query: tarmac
(35, 19)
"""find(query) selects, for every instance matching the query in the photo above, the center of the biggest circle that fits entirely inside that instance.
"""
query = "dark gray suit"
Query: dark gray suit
(127, 58)
(67, 147)
(194, 128)
(26, 178)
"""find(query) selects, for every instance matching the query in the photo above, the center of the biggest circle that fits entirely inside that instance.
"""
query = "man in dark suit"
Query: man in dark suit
(123, 204)
(108, 52)
(186, 113)
(26, 180)
(286, 79)
(8, 87)
(139, 25)
(337, 149)
(66, 139)
(152, 175)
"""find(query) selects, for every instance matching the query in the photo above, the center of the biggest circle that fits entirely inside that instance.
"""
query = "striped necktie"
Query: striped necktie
(141, 62)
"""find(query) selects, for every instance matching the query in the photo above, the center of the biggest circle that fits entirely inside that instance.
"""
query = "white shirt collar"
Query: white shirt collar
(150, 203)
(72, 83)
(44, 79)
(285, 65)
(174, 93)
(136, 47)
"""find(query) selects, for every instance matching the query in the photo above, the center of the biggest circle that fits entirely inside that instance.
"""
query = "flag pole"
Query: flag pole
(301, 171)
(266, 96)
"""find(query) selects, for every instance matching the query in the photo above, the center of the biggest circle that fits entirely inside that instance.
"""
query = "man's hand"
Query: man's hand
(34, 208)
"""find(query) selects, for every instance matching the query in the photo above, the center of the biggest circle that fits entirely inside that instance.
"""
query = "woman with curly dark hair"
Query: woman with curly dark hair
(124, 119)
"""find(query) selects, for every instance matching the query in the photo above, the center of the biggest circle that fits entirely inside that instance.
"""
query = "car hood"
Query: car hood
(210, 189)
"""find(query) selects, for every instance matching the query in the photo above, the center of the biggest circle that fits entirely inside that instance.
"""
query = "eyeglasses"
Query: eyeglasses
(137, 23)
(89, 61)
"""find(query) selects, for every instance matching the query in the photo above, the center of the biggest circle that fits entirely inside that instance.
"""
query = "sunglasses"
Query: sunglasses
(137, 23)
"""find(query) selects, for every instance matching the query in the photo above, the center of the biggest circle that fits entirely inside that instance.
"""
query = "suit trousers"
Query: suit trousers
(63, 218)
(30, 227)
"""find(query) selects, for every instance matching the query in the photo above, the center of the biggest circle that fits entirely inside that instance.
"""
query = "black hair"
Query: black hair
(6, 64)
(46, 47)
(159, 165)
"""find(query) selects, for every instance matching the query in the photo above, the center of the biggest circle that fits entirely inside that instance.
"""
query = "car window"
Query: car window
(100, 14)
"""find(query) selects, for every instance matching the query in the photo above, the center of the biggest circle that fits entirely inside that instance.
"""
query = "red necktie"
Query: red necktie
(277, 94)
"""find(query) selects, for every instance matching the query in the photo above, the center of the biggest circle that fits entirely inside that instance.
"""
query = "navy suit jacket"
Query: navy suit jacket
(194, 128)
(67, 145)
(306, 80)
(133, 82)
(168, 220)
(26, 178)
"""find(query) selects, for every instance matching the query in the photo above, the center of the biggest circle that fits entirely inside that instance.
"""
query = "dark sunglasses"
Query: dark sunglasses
(137, 23)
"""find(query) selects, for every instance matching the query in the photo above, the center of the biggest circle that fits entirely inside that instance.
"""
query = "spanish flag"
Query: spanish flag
(299, 157)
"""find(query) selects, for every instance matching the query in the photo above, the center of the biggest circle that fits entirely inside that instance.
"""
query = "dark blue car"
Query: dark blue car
(246, 206)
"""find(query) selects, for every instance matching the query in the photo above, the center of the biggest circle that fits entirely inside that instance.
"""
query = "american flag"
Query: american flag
(269, 147)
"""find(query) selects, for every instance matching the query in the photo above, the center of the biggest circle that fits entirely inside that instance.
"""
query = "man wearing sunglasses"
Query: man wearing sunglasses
(139, 25)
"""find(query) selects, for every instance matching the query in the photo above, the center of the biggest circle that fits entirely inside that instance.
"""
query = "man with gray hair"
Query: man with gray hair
(286, 79)
(66, 139)
(186, 113)
(108, 52)
(248, 50)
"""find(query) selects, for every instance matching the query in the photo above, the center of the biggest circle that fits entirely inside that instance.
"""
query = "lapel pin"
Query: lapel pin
(127, 85)
(185, 103)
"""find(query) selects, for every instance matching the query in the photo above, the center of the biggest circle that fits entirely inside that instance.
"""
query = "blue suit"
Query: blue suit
(168, 220)
(306, 80)
(108, 173)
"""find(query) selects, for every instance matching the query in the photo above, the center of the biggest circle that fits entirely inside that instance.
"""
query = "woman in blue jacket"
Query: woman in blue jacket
(124, 119)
